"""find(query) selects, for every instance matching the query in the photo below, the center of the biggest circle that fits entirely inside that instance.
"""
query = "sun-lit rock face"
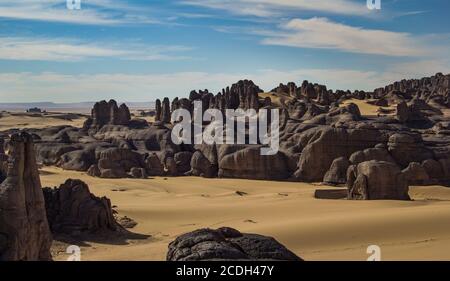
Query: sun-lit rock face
(24, 231)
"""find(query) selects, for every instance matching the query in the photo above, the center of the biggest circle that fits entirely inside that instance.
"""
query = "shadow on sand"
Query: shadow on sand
(121, 237)
(330, 194)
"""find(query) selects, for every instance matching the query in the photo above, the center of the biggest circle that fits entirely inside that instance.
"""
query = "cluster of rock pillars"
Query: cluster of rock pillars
(322, 139)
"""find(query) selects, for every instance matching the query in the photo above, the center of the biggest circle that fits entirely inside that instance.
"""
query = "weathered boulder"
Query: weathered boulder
(50, 153)
(403, 113)
(324, 144)
(138, 173)
(416, 174)
(117, 162)
(227, 244)
(445, 163)
(433, 169)
(380, 154)
(406, 148)
(183, 161)
(153, 165)
(337, 174)
(247, 162)
(412, 114)
(73, 209)
(94, 171)
(375, 180)
(170, 166)
(201, 166)
(24, 230)
(77, 160)
(335, 115)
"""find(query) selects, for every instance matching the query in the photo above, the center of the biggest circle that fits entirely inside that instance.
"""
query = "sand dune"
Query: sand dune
(366, 109)
(37, 121)
(315, 229)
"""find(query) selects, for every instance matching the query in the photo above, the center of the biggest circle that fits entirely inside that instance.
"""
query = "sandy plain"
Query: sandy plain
(330, 228)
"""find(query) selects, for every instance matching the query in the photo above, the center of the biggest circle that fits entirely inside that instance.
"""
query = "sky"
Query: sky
(140, 50)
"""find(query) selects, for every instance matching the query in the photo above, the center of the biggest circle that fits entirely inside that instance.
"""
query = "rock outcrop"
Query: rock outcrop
(247, 162)
(72, 209)
(108, 113)
(337, 174)
(24, 230)
(375, 180)
(227, 244)
(118, 162)
(406, 148)
(323, 145)
(317, 127)
(201, 166)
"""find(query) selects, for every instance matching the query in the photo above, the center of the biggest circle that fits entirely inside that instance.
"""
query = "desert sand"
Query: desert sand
(276, 99)
(315, 229)
(366, 109)
(21, 120)
(15, 120)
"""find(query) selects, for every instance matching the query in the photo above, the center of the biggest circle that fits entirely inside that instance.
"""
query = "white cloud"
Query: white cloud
(415, 69)
(266, 8)
(93, 12)
(22, 48)
(56, 87)
(325, 34)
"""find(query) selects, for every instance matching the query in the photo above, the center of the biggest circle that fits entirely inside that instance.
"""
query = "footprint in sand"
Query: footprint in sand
(241, 193)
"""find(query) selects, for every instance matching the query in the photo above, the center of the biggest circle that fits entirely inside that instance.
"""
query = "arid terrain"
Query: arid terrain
(315, 229)
(352, 170)
(329, 228)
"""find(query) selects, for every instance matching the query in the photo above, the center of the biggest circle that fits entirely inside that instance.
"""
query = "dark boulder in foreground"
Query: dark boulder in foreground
(24, 231)
(73, 209)
(227, 244)
(374, 180)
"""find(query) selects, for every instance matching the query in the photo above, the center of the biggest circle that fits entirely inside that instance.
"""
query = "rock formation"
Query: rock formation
(247, 162)
(24, 230)
(158, 109)
(337, 174)
(323, 145)
(227, 244)
(73, 209)
(321, 134)
(165, 111)
(108, 113)
(375, 180)
(118, 162)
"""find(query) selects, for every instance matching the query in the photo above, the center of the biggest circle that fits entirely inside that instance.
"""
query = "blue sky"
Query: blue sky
(140, 50)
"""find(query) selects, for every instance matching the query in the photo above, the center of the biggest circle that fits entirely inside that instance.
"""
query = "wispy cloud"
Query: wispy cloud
(323, 33)
(266, 8)
(42, 49)
(410, 13)
(94, 12)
